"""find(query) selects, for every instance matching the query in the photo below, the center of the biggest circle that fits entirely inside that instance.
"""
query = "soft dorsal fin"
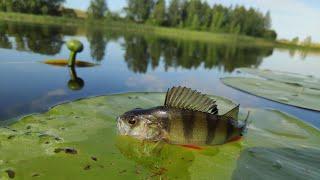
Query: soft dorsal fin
(186, 98)
(233, 113)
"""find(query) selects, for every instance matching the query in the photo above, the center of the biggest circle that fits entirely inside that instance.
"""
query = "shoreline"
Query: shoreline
(126, 26)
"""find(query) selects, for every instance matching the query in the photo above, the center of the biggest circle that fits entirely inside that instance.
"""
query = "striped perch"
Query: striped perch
(187, 118)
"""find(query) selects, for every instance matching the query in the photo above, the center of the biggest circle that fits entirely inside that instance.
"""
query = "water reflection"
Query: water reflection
(98, 42)
(140, 51)
(136, 62)
(75, 83)
(39, 39)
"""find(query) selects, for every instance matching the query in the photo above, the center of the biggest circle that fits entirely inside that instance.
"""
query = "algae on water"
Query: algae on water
(78, 140)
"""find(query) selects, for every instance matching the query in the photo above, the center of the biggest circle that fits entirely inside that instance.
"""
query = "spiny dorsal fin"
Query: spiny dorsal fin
(233, 113)
(186, 98)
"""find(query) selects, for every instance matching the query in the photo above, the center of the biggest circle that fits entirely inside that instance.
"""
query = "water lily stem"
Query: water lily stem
(72, 59)
(73, 73)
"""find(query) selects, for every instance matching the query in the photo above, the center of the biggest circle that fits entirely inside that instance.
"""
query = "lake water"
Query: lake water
(130, 63)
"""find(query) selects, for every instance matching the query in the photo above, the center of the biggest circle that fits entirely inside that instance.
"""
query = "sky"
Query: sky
(290, 18)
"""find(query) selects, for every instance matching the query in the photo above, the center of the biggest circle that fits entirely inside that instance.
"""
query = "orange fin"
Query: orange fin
(238, 138)
(191, 146)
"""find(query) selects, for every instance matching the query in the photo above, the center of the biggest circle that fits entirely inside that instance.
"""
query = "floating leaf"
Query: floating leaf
(64, 62)
(277, 91)
(285, 77)
(78, 140)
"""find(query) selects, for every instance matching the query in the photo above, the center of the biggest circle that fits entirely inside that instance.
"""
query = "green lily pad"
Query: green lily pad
(78, 140)
(285, 77)
(64, 63)
(276, 91)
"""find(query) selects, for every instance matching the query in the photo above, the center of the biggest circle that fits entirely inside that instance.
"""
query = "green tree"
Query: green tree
(195, 24)
(174, 13)
(307, 41)
(139, 10)
(206, 16)
(2, 5)
(267, 20)
(193, 12)
(270, 34)
(184, 13)
(159, 13)
(97, 9)
(198, 15)
(295, 40)
(218, 18)
(51, 7)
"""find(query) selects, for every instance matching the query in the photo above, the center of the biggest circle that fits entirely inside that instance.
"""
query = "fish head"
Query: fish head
(139, 124)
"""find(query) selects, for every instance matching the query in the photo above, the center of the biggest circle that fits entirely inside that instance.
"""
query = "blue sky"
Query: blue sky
(290, 18)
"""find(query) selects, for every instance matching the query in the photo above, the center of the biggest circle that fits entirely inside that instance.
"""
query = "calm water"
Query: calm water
(129, 62)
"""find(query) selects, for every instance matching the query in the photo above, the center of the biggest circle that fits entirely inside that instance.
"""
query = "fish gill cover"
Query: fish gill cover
(79, 140)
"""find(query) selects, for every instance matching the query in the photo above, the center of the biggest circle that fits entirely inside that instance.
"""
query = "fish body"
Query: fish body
(181, 123)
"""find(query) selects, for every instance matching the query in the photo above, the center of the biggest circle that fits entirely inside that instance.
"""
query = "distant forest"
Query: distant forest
(198, 15)
(189, 14)
(45, 7)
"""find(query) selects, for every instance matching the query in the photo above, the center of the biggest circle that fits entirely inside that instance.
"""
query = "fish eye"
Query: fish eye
(132, 121)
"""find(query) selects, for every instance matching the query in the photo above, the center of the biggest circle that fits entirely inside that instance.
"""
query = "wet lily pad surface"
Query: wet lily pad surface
(285, 77)
(78, 140)
(290, 94)
(64, 63)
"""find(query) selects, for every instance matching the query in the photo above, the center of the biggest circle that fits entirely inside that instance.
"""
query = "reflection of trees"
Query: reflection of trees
(142, 52)
(98, 43)
(4, 39)
(136, 55)
(39, 39)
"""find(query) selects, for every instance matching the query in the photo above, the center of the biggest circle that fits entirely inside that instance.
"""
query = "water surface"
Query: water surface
(130, 62)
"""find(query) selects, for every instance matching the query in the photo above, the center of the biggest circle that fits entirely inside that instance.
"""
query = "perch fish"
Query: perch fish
(186, 118)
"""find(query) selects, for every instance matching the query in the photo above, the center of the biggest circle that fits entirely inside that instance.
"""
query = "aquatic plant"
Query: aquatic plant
(78, 140)
(75, 83)
(286, 93)
(75, 47)
(285, 77)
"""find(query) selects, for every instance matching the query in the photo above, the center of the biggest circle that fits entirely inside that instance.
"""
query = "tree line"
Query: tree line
(190, 14)
(44, 7)
(199, 15)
